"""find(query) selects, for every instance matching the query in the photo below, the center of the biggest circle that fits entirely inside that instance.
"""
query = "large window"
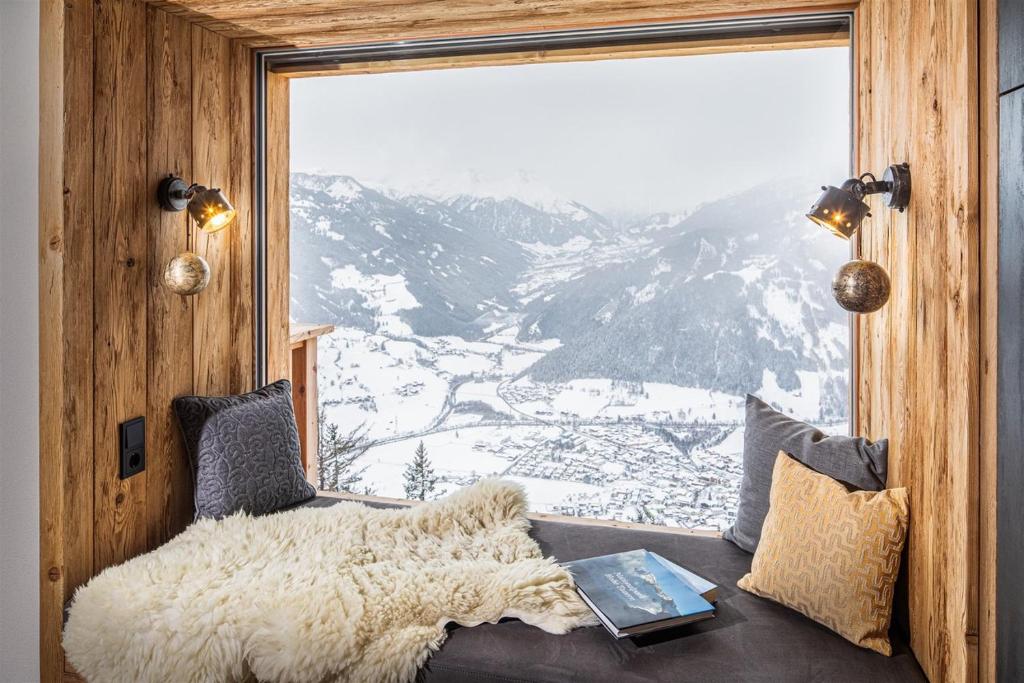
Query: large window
(570, 274)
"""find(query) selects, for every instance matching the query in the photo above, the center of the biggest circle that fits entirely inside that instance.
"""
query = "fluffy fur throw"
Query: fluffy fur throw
(345, 593)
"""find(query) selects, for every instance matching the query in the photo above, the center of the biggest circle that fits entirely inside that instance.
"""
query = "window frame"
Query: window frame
(275, 67)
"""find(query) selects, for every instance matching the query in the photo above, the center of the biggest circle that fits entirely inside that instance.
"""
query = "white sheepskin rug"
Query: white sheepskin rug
(344, 593)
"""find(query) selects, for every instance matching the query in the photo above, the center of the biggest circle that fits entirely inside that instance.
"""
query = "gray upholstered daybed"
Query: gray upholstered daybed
(751, 639)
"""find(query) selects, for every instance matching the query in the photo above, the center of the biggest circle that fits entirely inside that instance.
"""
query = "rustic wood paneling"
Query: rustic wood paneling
(120, 230)
(211, 166)
(169, 339)
(278, 273)
(109, 127)
(242, 370)
(118, 105)
(76, 247)
(919, 370)
(65, 324)
(322, 22)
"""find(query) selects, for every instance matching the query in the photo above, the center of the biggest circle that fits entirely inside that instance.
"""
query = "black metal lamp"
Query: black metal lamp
(842, 209)
(209, 208)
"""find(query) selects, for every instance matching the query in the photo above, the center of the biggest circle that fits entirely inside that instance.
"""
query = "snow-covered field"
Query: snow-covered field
(599, 448)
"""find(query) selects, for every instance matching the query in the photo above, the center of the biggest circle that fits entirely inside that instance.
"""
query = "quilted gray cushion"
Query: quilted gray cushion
(855, 461)
(244, 451)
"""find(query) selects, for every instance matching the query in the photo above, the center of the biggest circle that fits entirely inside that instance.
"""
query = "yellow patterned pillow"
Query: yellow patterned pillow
(830, 554)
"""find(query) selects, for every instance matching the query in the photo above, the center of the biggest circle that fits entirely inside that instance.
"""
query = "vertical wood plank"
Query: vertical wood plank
(65, 324)
(988, 70)
(241, 128)
(306, 401)
(120, 209)
(211, 166)
(278, 273)
(77, 304)
(169, 341)
(920, 365)
(52, 551)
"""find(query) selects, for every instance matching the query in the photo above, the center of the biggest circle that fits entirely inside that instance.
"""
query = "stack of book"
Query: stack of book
(639, 592)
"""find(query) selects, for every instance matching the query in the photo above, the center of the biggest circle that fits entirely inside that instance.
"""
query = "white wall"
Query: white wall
(19, 341)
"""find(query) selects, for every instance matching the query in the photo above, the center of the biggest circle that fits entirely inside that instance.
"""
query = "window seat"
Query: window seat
(751, 639)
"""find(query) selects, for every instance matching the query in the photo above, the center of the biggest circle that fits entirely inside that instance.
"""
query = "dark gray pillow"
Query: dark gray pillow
(855, 461)
(244, 451)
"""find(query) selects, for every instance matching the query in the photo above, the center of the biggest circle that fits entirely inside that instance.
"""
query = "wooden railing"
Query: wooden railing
(303, 341)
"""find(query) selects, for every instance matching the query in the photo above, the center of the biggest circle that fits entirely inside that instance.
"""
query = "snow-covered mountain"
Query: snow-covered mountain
(731, 297)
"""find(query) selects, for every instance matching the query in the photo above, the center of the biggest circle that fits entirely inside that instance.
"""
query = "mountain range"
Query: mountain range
(711, 299)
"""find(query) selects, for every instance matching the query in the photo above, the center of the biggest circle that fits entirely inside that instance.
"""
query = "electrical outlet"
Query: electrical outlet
(133, 447)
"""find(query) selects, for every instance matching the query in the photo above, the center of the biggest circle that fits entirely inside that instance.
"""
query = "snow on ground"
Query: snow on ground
(803, 404)
(385, 293)
(453, 454)
(484, 392)
(544, 495)
(377, 381)
(609, 399)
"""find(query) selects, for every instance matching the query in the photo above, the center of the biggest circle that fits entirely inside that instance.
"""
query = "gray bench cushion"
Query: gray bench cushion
(751, 639)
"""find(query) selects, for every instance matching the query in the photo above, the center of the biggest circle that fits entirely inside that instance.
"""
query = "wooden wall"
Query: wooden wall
(920, 364)
(130, 94)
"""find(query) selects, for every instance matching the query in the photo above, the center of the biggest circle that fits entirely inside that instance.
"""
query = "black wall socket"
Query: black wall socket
(133, 447)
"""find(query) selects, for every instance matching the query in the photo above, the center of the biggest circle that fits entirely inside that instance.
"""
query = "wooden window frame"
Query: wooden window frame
(278, 351)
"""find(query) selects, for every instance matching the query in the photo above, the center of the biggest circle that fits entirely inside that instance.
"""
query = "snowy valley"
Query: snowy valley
(602, 364)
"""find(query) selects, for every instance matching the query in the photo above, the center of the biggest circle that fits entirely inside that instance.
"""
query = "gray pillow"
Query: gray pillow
(244, 451)
(854, 461)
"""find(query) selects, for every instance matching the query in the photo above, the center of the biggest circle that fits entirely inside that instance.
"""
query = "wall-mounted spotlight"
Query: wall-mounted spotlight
(860, 286)
(842, 209)
(208, 207)
(188, 273)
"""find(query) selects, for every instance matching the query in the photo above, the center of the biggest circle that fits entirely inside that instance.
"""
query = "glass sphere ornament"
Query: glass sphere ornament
(861, 286)
(187, 274)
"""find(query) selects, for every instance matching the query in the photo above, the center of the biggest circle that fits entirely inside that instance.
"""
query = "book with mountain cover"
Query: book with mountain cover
(636, 592)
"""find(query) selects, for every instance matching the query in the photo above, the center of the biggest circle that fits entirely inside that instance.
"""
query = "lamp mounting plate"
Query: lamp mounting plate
(897, 179)
(172, 193)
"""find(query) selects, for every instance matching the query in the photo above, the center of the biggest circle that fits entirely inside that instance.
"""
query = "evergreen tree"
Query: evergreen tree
(337, 455)
(420, 480)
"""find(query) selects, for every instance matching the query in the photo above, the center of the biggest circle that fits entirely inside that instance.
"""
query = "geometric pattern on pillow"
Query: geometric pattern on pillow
(831, 554)
(244, 450)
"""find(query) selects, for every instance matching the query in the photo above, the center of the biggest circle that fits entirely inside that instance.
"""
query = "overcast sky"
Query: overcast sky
(633, 135)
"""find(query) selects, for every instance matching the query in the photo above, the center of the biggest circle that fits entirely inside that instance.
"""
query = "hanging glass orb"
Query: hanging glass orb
(187, 274)
(861, 286)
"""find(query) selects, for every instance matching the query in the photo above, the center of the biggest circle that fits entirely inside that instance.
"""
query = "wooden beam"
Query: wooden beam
(242, 358)
(920, 369)
(307, 23)
(300, 332)
(306, 401)
(278, 227)
(679, 49)
(988, 101)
